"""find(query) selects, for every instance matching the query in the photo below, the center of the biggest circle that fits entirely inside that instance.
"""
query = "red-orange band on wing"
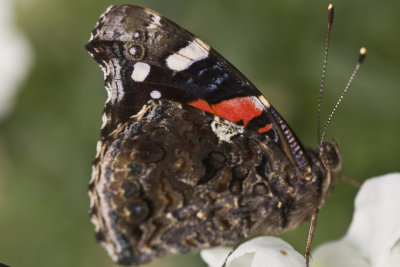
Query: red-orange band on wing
(201, 104)
(236, 109)
(264, 129)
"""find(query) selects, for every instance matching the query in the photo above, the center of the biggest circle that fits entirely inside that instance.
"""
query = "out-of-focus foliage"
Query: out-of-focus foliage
(47, 143)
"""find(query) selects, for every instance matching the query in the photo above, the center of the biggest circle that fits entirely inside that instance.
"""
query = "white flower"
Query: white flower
(15, 54)
(373, 239)
(263, 251)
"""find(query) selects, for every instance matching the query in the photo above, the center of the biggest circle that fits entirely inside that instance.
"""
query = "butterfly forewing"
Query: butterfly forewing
(142, 52)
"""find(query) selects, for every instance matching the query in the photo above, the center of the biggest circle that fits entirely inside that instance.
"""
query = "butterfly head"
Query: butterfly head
(329, 156)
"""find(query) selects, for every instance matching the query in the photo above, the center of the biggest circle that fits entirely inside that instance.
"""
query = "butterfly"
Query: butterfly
(191, 154)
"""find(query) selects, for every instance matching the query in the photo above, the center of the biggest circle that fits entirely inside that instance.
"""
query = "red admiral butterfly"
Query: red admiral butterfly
(191, 154)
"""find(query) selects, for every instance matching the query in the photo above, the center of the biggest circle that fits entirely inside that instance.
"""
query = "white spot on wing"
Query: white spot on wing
(109, 93)
(264, 101)
(115, 90)
(196, 50)
(117, 69)
(203, 44)
(140, 71)
(91, 37)
(105, 68)
(119, 89)
(225, 130)
(98, 148)
(258, 103)
(104, 117)
(141, 112)
(132, 50)
(155, 19)
(155, 94)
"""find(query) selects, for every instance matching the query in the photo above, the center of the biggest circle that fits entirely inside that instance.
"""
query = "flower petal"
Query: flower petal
(338, 254)
(375, 229)
(258, 252)
(215, 257)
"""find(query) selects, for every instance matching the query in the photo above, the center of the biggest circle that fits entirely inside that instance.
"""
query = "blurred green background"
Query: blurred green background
(47, 143)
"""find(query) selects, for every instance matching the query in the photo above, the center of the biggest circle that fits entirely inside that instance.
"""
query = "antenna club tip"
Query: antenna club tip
(330, 15)
(363, 53)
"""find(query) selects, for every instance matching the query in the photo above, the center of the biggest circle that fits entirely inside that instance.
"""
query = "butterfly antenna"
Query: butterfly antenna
(321, 88)
(363, 53)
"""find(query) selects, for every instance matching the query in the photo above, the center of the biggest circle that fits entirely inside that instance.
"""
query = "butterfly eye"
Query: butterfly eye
(330, 155)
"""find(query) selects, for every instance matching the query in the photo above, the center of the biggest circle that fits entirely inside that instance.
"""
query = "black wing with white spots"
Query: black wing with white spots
(145, 56)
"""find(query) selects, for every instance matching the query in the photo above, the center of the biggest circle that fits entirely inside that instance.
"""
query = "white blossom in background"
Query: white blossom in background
(373, 239)
(15, 55)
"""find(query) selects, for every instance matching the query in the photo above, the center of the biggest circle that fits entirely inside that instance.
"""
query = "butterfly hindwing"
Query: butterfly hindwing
(165, 182)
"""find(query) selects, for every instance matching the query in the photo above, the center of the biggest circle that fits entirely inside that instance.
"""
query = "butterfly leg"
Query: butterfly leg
(313, 224)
